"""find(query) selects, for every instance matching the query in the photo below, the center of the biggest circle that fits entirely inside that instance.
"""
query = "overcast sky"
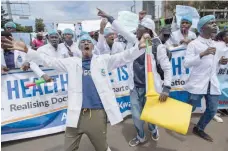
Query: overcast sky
(59, 11)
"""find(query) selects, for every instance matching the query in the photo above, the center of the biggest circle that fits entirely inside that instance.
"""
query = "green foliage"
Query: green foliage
(4, 16)
(39, 25)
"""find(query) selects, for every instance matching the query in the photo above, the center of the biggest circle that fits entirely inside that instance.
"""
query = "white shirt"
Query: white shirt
(177, 36)
(203, 70)
(74, 48)
(19, 58)
(49, 50)
(103, 48)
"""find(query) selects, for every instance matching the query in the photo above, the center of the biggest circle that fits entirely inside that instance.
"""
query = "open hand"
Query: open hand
(11, 44)
(185, 41)
(25, 66)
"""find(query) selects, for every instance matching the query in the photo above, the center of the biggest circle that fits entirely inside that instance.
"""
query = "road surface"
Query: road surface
(119, 135)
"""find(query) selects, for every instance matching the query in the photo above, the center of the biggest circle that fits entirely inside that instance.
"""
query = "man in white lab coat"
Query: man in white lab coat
(69, 46)
(11, 59)
(106, 43)
(53, 49)
(90, 94)
(184, 35)
(137, 76)
(202, 57)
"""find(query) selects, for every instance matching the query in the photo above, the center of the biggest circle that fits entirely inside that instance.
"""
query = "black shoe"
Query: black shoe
(202, 134)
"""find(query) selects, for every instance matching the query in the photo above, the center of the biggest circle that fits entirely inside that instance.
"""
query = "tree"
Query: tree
(4, 19)
(25, 29)
(214, 4)
(39, 25)
(198, 4)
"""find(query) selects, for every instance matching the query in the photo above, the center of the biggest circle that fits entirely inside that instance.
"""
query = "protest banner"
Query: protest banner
(223, 80)
(129, 20)
(41, 110)
(182, 10)
(92, 25)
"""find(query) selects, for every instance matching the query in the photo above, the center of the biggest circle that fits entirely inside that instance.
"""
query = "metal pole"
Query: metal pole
(158, 19)
(9, 10)
(165, 7)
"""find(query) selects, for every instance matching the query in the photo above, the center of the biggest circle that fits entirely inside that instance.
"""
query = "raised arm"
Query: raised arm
(47, 61)
(127, 56)
(38, 58)
(130, 37)
(122, 58)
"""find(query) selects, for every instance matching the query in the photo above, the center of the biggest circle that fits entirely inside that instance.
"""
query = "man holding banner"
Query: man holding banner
(201, 56)
(139, 83)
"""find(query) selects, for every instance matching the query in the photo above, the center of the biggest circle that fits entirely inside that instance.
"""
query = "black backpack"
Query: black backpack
(155, 42)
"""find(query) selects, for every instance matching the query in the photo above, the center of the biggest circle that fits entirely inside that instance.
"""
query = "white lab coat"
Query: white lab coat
(103, 48)
(74, 48)
(162, 58)
(177, 36)
(49, 50)
(19, 58)
(101, 65)
(203, 70)
(222, 49)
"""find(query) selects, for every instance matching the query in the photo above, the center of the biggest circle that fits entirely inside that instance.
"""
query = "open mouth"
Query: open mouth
(86, 48)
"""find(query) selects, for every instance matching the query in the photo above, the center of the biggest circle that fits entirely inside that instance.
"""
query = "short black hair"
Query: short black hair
(221, 35)
(6, 34)
(166, 29)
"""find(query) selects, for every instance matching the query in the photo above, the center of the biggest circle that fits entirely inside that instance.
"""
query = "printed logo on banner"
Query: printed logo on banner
(223, 80)
(124, 104)
(103, 72)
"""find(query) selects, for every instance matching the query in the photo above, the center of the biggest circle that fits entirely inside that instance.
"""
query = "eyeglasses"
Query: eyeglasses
(166, 35)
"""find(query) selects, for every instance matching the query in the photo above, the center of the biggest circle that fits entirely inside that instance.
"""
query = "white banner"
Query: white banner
(92, 25)
(41, 110)
(182, 11)
(129, 20)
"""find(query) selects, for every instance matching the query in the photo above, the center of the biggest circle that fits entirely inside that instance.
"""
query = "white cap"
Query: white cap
(148, 23)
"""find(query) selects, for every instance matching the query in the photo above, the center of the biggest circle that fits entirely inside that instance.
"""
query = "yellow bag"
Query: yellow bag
(172, 114)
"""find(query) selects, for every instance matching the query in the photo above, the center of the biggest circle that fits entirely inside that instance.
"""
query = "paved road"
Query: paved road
(119, 135)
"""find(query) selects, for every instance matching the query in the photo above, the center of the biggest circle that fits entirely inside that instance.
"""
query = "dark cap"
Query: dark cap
(166, 30)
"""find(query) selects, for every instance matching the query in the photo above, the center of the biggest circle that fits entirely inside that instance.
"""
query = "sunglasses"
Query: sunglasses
(167, 35)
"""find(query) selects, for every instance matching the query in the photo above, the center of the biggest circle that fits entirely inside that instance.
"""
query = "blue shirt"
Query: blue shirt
(9, 59)
(91, 98)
